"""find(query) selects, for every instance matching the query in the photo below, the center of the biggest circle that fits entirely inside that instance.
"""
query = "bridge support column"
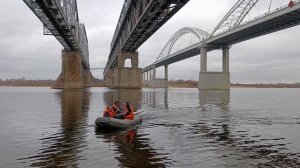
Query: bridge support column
(73, 75)
(147, 76)
(154, 73)
(159, 83)
(203, 60)
(145, 81)
(166, 77)
(214, 80)
(127, 77)
(225, 60)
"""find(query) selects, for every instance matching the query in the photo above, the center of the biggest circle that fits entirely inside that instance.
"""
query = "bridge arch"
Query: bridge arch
(235, 15)
(200, 34)
(242, 9)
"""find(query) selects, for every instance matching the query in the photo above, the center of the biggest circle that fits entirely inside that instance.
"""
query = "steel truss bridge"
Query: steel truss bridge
(60, 19)
(139, 20)
(232, 29)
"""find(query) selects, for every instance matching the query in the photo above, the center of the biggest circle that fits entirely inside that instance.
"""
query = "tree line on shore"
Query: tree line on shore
(172, 83)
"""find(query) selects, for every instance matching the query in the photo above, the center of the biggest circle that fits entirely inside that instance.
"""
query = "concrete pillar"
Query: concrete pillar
(73, 75)
(108, 78)
(147, 75)
(214, 80)
(87, 78)
(154, 73)
(166, 72)
(133, 56)
(203, 53)
(225, 60)
(166, 76)
(127, 77)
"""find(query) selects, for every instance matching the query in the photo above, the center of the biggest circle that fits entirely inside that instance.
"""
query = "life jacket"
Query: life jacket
(109, 113)
(130, 115)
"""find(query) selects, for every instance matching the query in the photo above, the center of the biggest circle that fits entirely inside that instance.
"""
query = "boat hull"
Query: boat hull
(107, 123)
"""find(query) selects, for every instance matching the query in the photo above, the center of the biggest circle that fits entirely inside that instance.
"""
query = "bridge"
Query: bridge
(60, 19)
(231, 30)
(138, 21)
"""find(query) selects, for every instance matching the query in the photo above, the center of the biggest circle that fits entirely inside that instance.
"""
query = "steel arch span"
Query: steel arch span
(200, 34)
(235, 15)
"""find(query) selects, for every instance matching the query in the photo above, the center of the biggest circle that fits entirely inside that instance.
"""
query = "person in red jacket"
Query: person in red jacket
(128, 111)
(117, 108)
(108, 112)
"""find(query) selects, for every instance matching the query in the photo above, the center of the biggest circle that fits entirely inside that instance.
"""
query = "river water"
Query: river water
(41, 127)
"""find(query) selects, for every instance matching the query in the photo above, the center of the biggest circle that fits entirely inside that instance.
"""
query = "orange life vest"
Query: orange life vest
(129, 116)
(109, 113)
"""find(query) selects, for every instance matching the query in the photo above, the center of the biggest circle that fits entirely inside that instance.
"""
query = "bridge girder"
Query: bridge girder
(139, 20)
(60, 19)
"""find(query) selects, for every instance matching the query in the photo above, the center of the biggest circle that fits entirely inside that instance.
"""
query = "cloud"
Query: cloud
(25, 51)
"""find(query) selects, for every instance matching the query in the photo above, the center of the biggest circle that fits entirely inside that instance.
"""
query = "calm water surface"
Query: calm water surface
(41, 127)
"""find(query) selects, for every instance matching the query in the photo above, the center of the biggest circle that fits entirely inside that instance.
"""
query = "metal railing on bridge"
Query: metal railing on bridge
(60, 19)
(138, 21)
(281, 17)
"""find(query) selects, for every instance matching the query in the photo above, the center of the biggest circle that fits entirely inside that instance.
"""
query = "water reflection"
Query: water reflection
(236, 145)
(219, 98)
(63, 148)
(157, 98)
(134, 149)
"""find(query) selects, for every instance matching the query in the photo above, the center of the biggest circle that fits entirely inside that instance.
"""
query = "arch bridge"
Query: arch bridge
(232, 29)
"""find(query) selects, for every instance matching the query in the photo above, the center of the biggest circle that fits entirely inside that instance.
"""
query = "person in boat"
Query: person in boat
(108, 112)
(128, 111)
(118, 110)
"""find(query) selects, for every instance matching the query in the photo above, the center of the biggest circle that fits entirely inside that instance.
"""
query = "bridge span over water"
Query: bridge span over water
(60, 19)
(138, 21)
(231, 30)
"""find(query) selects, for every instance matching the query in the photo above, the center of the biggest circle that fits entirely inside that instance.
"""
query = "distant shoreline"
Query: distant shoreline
(172, 83)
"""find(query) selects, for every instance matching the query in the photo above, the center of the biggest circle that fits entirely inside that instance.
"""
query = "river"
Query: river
(243, 127)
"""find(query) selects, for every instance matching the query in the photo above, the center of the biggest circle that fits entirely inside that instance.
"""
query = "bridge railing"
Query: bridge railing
(83, 44)
(270, 12)
(60, 19)
(120, 21)
(261, 16)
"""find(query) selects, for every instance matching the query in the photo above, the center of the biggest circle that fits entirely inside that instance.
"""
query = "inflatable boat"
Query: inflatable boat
(108, 123)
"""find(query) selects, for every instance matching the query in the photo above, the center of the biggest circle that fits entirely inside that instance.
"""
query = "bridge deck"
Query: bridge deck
(138, 21)
(279, 20)
(60, 19)
(282, 19)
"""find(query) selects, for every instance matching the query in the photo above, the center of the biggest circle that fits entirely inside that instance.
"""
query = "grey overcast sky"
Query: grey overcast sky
(26, 52)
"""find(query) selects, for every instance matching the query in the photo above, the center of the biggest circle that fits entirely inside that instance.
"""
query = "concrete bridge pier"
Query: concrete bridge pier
(214, 80)
(146, 79)
(73, 75)
(159, 83)
(122, 77)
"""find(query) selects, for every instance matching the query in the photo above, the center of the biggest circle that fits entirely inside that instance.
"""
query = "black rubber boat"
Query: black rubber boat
(107, 123)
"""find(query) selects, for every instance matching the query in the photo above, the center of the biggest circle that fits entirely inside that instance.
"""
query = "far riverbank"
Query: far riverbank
(172, 83)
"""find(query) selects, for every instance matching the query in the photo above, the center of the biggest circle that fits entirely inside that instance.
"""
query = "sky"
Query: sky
(26, 52)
